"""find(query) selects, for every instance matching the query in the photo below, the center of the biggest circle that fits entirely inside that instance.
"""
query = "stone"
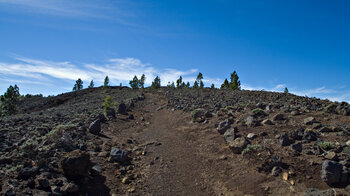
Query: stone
(252, 136)
(76, 164)
(310, 136)
(42, 182)
(331, 172)
(297, 147)
(223, 126)
(278, 117)
(276, 171)
(309, 120)
(347, 143)
(70, 188)
(238, 145)
(110, 113)
(97, 169)
(251, 121)
(122, 108)
(230, 135)
(330, 155)
(126, 180)
(284, 140)
(95, 127)
(325, 130)
(26, 173)
(316, 125)
(267, 122)
(118, 155)
(297, 134)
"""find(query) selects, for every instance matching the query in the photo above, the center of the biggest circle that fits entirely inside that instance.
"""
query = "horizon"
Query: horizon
(303, 46)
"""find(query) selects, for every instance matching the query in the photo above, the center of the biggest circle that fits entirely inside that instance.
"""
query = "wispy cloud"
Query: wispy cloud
(119, 70)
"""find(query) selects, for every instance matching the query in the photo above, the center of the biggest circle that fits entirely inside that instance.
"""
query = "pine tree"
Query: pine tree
(179, 82)
(286, 90)
(142, 81)
(225, 85)
(134, 83)
(212, 86)
(235, 84)
(195, 84)
(91, 85)
(156, 83)
(187, 85)
(106, 82)
(78, 85)
(9, 100)
(199, 81)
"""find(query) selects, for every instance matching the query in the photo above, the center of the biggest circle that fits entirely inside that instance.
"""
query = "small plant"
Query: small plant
(212, 86)
(225, 85)
(78, 85)
(9, 100)
(171, 85)
(197, 114)
(326, 145)
(250, 148)
(156, 83)
(107, 104)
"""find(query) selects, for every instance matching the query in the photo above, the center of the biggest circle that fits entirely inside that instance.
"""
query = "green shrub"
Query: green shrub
(326, 145)
(109, 104)
(156, 83)
(78, 85)
(197, 113)
(250, 148)
(9, 100)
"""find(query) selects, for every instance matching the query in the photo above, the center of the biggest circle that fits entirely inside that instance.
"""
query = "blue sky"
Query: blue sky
(45, 45)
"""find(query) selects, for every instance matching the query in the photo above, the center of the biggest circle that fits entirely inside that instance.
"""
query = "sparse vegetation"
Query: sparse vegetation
(108, 104)
(180, 83)
(134, 83)
(171, 85)
(78, 85)
(142, 81)
(326, 145)
(212, 86)
(156, 83)
(197, 113)
(9, 101)
(286, 90)
(250, 148)
(225, 85)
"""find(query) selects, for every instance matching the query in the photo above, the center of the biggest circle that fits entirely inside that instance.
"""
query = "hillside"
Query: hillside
(176, 142)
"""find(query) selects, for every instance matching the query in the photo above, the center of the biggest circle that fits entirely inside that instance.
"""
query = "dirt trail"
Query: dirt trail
(186, 158)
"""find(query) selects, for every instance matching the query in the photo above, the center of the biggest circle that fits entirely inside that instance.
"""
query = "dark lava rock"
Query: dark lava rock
(27, 173)
(278, 117)
(238, 145)
(297, 134)
(310, 136)
(118, 155)
(76, 164)
(95, 127)
(297, 147)
(122, 108)
(284, 140)
(223, 126)
(230, 134)
(325, 130)
(331, 172)
(110, 113)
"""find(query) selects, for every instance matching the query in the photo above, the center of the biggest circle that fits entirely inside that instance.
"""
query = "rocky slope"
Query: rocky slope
(176, 142)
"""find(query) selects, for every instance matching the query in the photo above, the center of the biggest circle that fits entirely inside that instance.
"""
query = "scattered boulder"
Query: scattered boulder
(42, 182)
(252, 136)
(325, 130)
(27, 173)
(297, 134)
(122, 108)
(267, 122)
(297, 147)
(70, 188)
(110, 113)
(316, 125)
(95, 127)
(331, 172)
(284, 140)
(238, 145)
(251, 121)
(223, 126)
(76, 164)
(310, 136)
(278, 117)
(309, 120)
(118, 155)
(230, 134)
